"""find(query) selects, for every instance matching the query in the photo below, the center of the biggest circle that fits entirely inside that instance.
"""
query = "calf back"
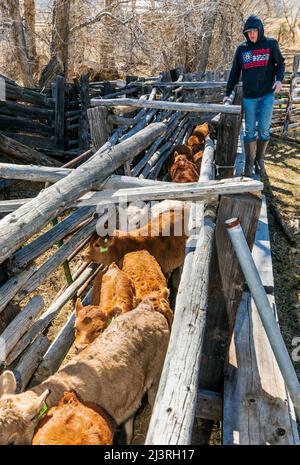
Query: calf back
(145, 273)
(118, 367)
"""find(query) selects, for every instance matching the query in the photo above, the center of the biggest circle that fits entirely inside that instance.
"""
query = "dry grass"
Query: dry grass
(283, 179)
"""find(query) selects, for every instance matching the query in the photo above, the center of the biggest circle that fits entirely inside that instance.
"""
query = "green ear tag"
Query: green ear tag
(41, 412)
(103, 249)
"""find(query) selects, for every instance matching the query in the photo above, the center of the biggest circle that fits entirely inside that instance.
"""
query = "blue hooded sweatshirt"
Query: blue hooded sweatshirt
(261, 63)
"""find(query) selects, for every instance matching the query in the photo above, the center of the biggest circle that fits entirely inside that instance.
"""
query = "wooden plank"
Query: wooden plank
(257, 408)
(21, 152)
(17, 93)
(209, 405)
(225, 290)
(60, 112)
(185, 84)
(15, 228)
(17, 109)
(164, 105)
(9, 289)
(38, 143)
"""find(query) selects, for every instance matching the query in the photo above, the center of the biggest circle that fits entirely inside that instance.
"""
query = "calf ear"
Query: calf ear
(8, 384)
(115, 311)
(78, 305)
(165, 292)
(34, 407)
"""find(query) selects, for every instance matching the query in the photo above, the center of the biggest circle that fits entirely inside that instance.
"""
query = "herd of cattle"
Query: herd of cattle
(121, 338)
(185, 162)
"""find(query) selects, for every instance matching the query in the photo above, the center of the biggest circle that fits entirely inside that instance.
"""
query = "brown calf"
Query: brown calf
(164, 238)
(73, 422)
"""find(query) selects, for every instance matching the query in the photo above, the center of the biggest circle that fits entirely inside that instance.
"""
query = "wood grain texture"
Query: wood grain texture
(257, 409)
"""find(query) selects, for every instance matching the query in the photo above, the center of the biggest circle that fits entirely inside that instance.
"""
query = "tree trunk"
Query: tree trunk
(210, 14)
(107, 61)
(29, 23)
(18, 36)
(60, 33)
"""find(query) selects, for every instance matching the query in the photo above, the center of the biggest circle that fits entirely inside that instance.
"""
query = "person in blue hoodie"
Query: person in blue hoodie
(262, 66)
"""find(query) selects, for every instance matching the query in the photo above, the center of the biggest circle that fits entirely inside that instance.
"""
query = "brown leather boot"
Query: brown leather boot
(260, 154)
(250, 152)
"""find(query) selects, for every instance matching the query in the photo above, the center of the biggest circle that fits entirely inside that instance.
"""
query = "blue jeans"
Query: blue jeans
(258, 110)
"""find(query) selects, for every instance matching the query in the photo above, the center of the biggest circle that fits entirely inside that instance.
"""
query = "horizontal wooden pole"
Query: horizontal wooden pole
(163, 105)
(186, 191)
(185, 84)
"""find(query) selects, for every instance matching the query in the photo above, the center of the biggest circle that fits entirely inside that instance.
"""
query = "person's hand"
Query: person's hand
(277, 87)
(225, 99)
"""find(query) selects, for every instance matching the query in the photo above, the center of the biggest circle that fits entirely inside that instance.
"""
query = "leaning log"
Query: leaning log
(9, 289)
(30, 361)
(18, 226)
(40, 245)
(19, 326)
(59, 348)
(56, 260)
(43, 321)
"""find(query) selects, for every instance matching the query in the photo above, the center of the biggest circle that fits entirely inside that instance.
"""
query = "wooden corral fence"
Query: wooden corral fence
(132, 139)
(286, 114)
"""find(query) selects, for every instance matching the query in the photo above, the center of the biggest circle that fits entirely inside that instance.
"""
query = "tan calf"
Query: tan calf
(149, 281)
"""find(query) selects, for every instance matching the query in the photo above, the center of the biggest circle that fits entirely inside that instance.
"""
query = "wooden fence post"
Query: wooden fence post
(84, 143)
(98, 120)
(60, 113)
(227, 142)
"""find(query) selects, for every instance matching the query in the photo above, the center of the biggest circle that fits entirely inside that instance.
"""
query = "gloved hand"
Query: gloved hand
(277, 86)
(225, 99)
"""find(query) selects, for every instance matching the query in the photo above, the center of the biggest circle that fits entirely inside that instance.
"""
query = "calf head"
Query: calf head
(90, 322)
(18, 412)
(180, 149)
(183, 170)
(201, 131)
(101, 250)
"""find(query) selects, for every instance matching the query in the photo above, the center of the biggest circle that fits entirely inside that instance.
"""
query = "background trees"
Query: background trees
(132, 36)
